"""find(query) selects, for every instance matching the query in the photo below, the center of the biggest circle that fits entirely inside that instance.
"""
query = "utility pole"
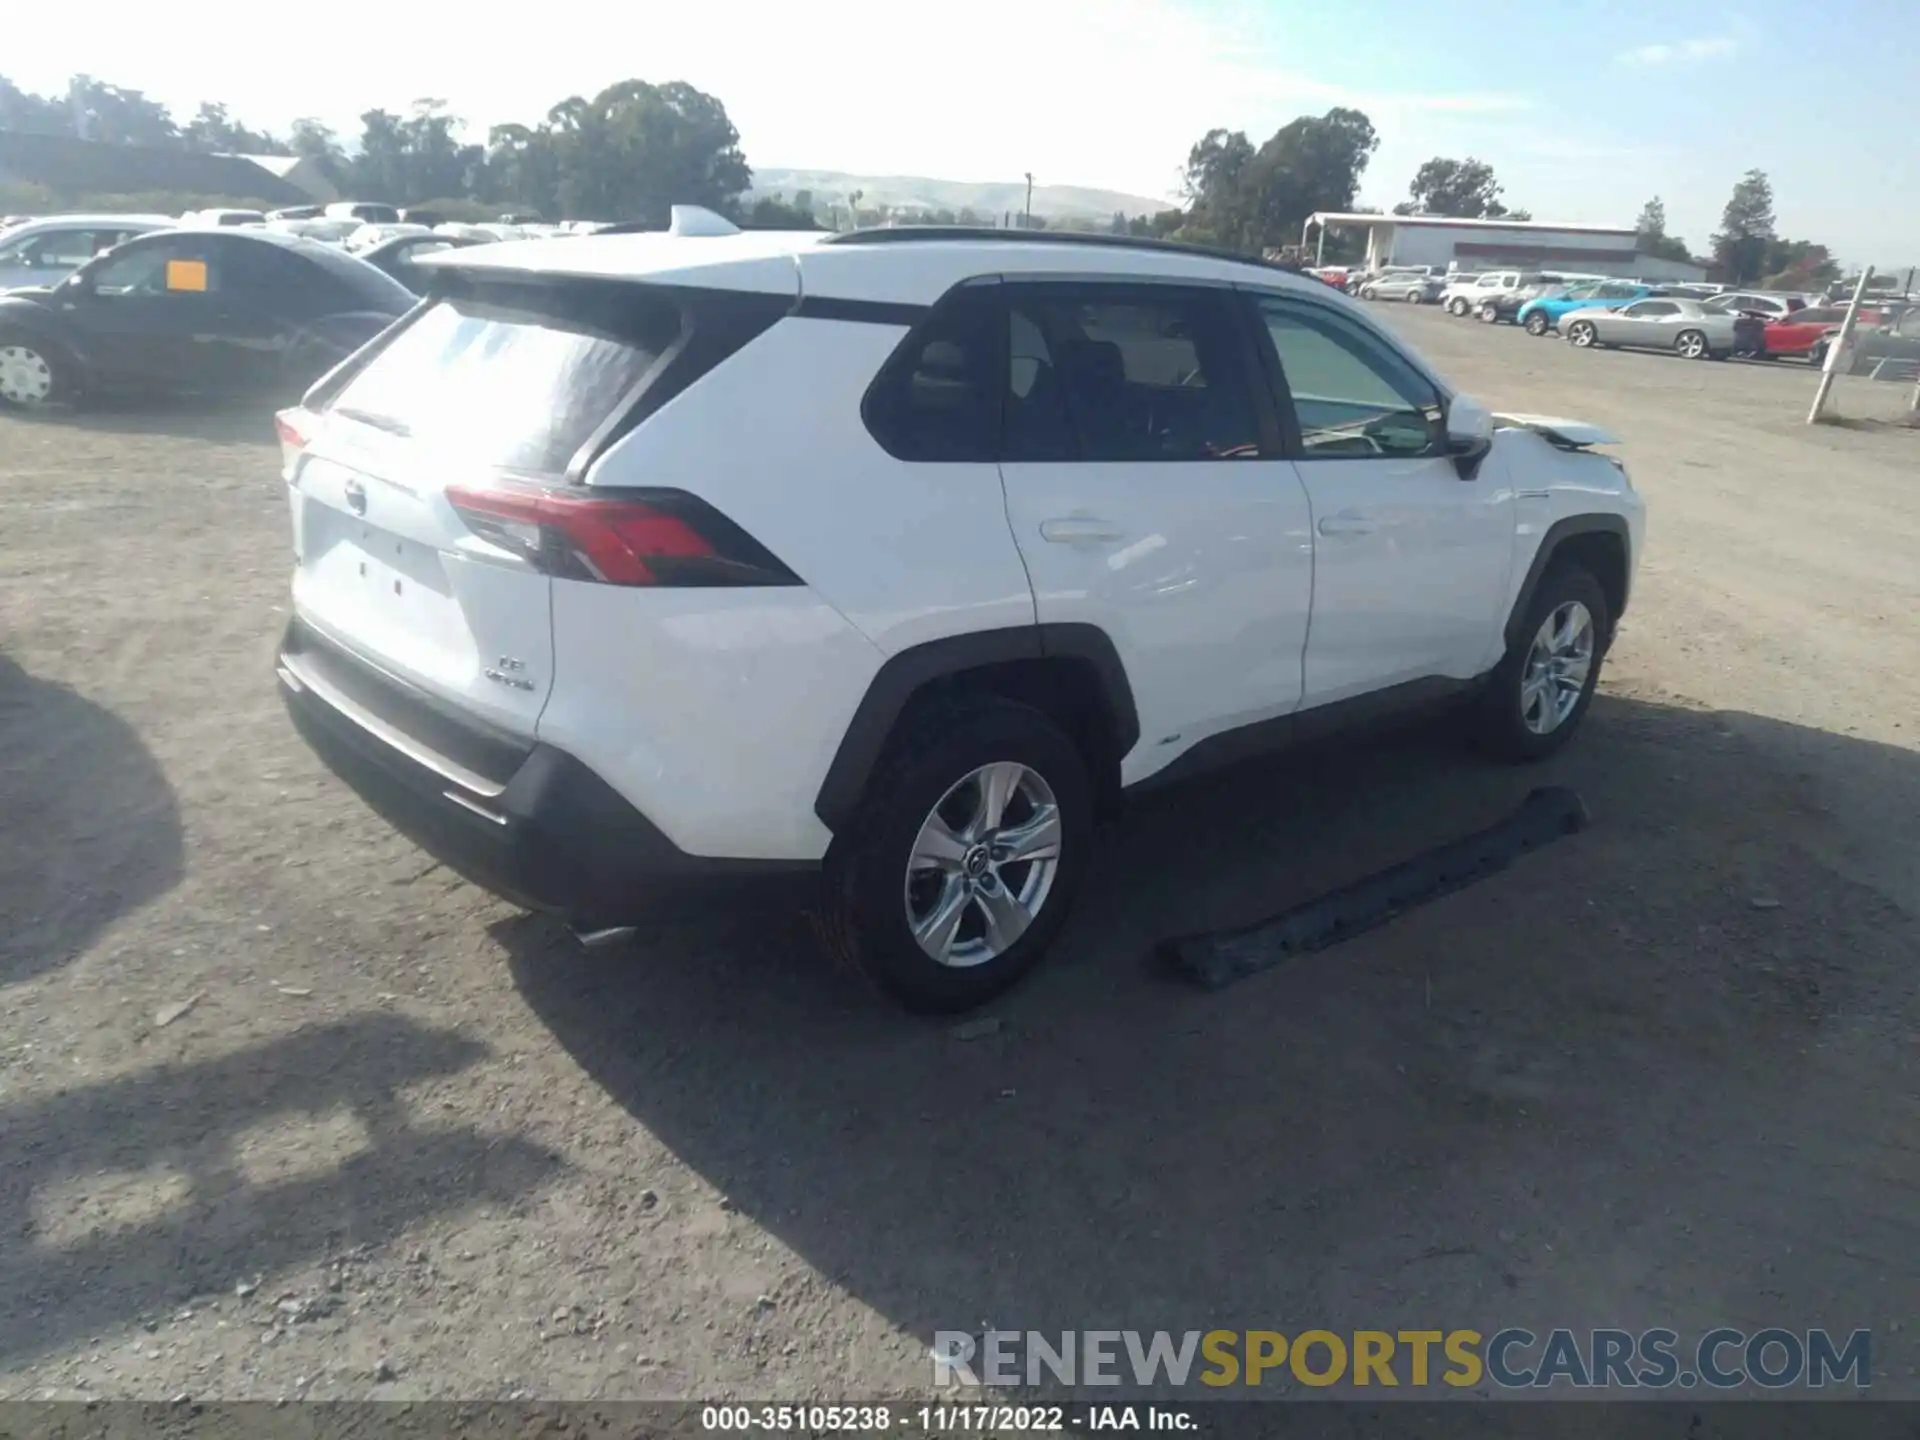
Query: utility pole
(1026, 222)
(1838, 347)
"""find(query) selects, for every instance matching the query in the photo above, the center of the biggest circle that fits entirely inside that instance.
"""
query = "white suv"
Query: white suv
(651, 560)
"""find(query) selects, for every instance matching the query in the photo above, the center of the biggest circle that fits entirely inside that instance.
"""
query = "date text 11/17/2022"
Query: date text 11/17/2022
(942, 1419)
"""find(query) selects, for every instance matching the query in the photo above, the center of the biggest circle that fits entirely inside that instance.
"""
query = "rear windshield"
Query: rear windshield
(513, 377)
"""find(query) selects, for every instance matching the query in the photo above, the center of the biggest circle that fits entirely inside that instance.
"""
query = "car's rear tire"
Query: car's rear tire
(1538, 694)
(1692, 345)
(1538, 324)
(927, 893)
(1458, 306)
(35, 374)
(1488, 314)
(1582, 334)
(1367, 292)
(1817, 356)
(1412, 297)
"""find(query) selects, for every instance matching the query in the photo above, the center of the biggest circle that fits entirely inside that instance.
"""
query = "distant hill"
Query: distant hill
(985, 197)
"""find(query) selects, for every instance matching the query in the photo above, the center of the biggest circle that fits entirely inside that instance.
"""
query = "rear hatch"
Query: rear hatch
(499, 384)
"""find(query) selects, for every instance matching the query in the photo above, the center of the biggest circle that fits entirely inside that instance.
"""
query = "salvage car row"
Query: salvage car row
(1696, 322)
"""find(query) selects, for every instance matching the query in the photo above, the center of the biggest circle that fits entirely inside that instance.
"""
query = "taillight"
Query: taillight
(624, 537)
(295, 428)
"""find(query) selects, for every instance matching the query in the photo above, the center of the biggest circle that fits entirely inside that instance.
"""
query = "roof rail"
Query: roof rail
(907, 234)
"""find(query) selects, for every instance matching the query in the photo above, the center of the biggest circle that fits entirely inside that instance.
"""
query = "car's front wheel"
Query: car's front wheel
(33, 374)
(958, 872)
(1458, 306)
(1489, 314)
(1582, 333)
(1539, 692)
(1538, 324)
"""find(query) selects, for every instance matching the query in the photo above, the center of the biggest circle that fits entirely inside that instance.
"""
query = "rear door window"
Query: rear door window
(1148, 372)
(514, 378)
(938, 397)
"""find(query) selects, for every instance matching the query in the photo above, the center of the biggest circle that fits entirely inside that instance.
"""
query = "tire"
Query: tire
(935, 774)
(1488, 315)
(1501, 726)
(1692, 345)
(1817, 356)
(1538, 324)
(1412, 297)
(1367, 292)
(35, 374)
(1458, 306)
(1582, 334)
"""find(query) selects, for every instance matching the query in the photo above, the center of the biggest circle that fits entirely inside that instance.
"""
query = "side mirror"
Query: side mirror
(1469, 434)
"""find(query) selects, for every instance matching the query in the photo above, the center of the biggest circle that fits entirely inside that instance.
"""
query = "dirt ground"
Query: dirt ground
(286, 1110)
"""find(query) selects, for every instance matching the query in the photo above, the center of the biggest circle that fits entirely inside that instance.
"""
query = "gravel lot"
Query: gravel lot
(288, 1110)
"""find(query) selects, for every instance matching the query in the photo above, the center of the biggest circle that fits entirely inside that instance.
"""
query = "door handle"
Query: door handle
(1079, 530)
(1348, 524)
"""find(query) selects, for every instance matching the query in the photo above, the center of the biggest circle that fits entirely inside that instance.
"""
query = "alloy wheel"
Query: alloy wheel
(983, 864)
(1582, 334)
(25, 376)
(1693, 345)
(1558, 664)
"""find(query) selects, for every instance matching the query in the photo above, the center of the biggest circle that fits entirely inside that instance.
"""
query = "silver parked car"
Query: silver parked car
(42, 253)
(1686, 327)
(1413, 286)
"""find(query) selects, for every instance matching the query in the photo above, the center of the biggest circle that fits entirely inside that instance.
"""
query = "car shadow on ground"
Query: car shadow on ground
(215, 421)
(137, 1194)
(1622, 1080)
(92, 830)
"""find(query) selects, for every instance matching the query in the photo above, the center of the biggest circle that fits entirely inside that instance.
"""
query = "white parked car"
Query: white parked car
(44, 252)
(1462, 295)
(368, 236)
(216, 219)
(903, 557)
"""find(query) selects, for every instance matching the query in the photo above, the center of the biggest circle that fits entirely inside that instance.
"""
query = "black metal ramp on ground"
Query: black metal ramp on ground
(1220, 957)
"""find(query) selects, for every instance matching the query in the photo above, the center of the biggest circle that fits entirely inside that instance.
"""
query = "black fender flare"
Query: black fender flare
(1557, 535)
(906, 674)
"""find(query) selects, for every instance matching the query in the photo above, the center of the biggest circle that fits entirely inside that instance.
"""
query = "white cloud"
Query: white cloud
(1679, 52)
(1094, 92)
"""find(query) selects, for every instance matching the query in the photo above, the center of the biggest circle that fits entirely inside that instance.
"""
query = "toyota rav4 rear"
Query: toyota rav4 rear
(498, 601)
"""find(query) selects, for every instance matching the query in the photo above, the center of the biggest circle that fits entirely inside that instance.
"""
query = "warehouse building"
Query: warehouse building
(1449, 244)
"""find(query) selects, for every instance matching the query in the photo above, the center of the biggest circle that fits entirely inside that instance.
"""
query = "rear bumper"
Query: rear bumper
(529, 822)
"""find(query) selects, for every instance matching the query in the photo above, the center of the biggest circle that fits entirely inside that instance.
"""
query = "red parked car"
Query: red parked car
(1808, 332)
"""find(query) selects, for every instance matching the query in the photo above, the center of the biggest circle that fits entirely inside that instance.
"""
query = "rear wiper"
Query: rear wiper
(378, 422)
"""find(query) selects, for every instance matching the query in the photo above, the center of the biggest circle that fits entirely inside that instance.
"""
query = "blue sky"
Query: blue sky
(1584, 109)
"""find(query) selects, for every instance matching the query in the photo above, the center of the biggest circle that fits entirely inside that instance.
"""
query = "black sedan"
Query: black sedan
(218, 312)
(397, 256)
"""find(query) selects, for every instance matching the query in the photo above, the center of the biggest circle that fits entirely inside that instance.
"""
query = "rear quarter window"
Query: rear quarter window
(513, 377)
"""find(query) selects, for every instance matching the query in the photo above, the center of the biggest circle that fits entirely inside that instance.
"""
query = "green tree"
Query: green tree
(770, 212)
(212, 129)
(1746, 230)
(311, 140)
(1651, 233)
(1249, 200)
(635, 150)
(118, 116)
(30, 114)
(1463, 189)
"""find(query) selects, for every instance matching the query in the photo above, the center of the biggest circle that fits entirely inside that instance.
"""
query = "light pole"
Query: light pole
(1026, 220)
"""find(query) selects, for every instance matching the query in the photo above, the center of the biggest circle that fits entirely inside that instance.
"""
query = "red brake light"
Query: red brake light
(295, 428)
(651, 537)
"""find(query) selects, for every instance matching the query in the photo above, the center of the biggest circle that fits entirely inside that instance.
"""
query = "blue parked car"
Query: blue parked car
(1539, 316)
